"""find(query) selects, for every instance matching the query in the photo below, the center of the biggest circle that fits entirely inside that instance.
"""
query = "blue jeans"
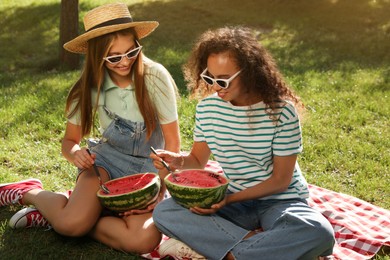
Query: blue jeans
(292, 230)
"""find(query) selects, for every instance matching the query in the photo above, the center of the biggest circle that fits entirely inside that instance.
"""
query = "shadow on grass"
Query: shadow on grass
(302, 35)
(51, 245)
(33, 101)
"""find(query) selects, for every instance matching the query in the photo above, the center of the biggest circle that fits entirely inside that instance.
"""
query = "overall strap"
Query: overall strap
(109, 113)
(102, 102)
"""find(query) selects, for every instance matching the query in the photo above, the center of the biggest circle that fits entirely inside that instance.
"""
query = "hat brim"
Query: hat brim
(79, 44)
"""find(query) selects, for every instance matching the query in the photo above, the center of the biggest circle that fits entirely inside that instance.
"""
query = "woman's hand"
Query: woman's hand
(82, 159)
(175, 160)
(148, 209)
(213, 209)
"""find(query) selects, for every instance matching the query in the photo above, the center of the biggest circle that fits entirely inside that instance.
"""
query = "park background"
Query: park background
(334, 53)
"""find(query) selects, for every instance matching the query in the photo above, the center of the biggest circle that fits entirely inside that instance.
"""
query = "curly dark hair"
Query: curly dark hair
(260, 74)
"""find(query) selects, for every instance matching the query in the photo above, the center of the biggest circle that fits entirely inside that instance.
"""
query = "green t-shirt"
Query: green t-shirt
(122, 101)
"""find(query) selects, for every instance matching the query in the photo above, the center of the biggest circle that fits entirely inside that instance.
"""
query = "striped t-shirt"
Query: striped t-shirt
(243, 139)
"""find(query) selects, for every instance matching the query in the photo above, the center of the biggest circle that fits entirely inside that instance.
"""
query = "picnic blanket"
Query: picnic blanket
(361, 228)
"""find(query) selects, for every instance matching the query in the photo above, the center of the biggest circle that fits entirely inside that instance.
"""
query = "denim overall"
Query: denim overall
(124, 149)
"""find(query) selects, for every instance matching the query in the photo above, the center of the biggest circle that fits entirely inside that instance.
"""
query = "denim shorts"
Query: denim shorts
(124, 149)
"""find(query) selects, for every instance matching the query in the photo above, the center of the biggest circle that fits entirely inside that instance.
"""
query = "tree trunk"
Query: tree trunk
(69, 27)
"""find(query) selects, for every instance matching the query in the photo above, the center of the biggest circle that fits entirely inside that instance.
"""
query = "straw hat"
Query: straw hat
(106, 19)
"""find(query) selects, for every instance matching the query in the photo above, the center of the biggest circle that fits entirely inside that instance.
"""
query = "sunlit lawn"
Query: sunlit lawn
(335, 54)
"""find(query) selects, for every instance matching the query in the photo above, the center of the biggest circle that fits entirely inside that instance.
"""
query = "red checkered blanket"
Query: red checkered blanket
(361, 228)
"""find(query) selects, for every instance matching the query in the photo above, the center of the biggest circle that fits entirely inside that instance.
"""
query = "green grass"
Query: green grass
(335, 54)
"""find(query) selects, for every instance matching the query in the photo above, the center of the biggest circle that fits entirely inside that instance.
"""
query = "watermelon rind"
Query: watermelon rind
(189, 197)
(137, 199)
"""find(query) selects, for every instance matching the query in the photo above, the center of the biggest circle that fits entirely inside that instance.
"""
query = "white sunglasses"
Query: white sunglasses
(222, 83)
(115, 59)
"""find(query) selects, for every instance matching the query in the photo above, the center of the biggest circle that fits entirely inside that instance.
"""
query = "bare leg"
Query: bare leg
(80, 215)
(75, 216)
(135, 233)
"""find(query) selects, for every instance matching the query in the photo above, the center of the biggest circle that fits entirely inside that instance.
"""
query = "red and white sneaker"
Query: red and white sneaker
(27, 218)
(12, 193)
(178, 250)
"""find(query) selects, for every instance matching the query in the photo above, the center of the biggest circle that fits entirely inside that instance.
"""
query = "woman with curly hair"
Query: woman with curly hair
(250, 125)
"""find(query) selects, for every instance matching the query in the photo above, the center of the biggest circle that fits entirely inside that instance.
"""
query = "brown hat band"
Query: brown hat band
(112, 22)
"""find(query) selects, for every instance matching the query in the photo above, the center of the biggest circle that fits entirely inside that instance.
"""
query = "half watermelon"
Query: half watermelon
(135, 191)
(201, 188)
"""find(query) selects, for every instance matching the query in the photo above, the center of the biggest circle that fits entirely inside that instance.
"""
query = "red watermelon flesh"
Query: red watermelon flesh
(129, 184)
(130, 192)
(197, 188)
(198, 178)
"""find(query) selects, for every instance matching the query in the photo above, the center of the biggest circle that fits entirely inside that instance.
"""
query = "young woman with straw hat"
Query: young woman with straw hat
(135, 100)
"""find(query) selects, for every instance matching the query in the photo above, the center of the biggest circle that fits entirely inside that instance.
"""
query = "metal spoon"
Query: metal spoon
(102, 186)
(165, 165)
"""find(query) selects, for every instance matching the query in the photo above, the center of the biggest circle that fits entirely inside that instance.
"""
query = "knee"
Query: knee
(167, 209)
(74, 226)
(323, 235)
(149, 244)
(145, 243)
(159, 212)
(160, 208)
(328, 239)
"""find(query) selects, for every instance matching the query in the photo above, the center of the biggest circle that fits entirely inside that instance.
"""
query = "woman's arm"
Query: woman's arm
(171, 135)
(199, 156)
(71, 149)
(279, 181)
(197, 159)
